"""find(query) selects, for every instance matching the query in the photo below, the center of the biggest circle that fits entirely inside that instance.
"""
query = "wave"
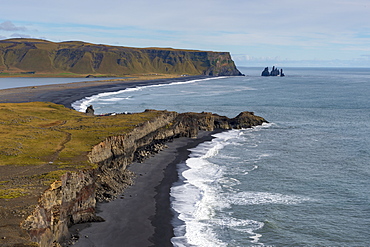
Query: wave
(195, 198)
(199, 196)
(113, 99)
(81, 105)
(207, 189)
(254, 197)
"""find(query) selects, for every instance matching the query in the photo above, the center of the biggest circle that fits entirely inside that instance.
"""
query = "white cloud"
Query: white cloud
(290, 29)
(248, 61)
(9, 26)
(19, 35)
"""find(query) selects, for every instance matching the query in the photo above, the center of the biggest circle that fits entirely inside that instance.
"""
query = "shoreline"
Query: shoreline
(151, 225)
(68, 93)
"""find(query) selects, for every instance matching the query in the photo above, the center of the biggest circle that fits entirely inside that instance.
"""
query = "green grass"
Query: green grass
(38, 133)
(50, 177)
(78, 59)
(12, 193)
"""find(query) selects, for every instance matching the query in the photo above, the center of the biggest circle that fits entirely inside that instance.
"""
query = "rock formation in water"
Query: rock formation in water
(274, 72)
(265, 72)
(73, 199)
(45, 57)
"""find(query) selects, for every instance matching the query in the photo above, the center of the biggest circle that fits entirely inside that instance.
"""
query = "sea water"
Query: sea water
(303, 179)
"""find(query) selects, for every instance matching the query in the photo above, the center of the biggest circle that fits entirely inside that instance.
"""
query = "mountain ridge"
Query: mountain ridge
(46, 57)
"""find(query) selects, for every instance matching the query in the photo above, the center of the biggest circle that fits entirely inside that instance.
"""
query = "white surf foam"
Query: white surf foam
(113, 99)
(82, 104)
(253, 198)
(196, 199)
(243, 225)
(207, 190)
(204, 192)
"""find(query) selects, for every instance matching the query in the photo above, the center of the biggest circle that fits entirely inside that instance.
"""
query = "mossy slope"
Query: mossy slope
(38, 133)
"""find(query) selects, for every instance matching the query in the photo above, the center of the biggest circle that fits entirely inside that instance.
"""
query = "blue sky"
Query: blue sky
(255, 32)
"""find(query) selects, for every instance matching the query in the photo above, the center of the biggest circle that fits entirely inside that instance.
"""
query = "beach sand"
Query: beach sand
(66, 94)
(142, 215)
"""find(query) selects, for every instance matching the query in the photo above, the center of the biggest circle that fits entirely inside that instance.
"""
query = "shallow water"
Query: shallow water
(301, 180)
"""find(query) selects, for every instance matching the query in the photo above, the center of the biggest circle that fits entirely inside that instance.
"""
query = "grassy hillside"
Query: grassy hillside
(39, 143)
(44, 57)
(38, 133)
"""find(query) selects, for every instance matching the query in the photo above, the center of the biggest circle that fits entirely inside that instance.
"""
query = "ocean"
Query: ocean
(303, 179)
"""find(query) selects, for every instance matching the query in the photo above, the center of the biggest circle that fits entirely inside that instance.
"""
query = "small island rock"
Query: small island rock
(274, 72)
(265, 72)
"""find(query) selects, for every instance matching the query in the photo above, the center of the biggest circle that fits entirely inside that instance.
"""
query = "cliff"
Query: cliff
(72, 200)
(34, 56)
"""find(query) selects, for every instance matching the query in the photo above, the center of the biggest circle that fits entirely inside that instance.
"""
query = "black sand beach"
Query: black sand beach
(142, 215)
(66, 94)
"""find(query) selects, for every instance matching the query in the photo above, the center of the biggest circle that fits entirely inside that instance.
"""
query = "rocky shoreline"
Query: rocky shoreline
(73, 199)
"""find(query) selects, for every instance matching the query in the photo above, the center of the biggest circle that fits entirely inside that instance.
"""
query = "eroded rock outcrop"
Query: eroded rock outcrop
(66, 202)
(274, 72)
(72, 200)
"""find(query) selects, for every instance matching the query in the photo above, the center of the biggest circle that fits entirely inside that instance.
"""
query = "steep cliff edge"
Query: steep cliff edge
(33, 56)
(72, 200)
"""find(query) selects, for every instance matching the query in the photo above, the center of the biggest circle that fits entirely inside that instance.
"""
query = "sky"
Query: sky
(291, 33)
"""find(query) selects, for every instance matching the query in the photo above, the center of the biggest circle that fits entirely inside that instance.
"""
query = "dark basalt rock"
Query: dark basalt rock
(90, 111)
(72, 199)
(274, 72)
(265, 72)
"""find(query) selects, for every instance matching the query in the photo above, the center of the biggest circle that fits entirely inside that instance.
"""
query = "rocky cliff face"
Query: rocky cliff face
(40, 56)
(72, 200)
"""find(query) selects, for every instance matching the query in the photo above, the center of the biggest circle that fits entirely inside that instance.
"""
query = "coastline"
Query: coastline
(142, 216)
(158, 173)
(66, 94)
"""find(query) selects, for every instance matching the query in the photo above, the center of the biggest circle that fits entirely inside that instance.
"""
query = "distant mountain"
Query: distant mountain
(45, 57)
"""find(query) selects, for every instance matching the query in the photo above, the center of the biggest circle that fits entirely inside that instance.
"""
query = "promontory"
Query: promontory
(57, 163)
(36, 57)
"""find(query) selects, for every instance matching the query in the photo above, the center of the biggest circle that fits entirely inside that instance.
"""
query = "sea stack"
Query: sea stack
(274, 72)
(265, 72)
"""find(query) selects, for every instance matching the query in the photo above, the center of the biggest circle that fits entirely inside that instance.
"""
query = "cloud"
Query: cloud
(20, 35)
(9, 26)
(250, 61)
(290, 29)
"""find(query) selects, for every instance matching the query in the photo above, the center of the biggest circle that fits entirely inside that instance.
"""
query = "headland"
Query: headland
(36, 57)
(56, 163)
